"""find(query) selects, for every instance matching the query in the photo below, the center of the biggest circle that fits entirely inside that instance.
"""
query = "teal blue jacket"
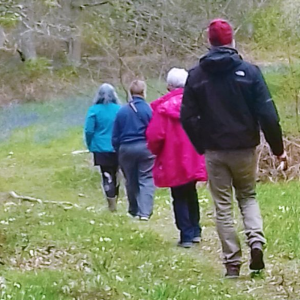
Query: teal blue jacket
(99, 125)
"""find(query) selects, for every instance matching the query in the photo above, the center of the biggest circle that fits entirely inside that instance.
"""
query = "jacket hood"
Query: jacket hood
(156, 103)
(169, 104)
(220, 59)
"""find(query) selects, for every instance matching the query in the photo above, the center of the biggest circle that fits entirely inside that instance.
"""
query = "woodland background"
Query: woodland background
(57, 47)
(65, 245)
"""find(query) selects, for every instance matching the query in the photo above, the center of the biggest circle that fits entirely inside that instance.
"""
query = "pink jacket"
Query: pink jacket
(177, 162)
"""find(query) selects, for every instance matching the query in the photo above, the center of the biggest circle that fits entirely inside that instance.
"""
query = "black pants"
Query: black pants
(110, 180)
(186, 210)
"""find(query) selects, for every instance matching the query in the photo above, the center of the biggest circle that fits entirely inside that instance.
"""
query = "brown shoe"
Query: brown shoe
(233, 271)
(257, 259)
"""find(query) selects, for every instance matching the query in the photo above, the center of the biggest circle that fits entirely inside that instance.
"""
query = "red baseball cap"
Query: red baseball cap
(220, 33)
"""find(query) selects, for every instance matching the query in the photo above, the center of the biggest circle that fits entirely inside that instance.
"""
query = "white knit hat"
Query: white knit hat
(177, 77)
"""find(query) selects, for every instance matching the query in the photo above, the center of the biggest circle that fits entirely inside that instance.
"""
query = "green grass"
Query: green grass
(284, 86)
(51, 252)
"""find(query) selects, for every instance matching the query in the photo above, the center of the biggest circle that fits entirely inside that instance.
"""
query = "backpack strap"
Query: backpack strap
(133, 107)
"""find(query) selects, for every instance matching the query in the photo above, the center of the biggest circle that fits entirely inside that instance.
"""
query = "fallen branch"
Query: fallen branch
(80, 152)
(82, 6)
(64, 204)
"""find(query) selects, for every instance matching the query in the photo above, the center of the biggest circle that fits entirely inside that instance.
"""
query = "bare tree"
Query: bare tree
(163, 32)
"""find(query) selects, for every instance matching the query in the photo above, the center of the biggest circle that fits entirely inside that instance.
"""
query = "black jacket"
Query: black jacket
(225, 103)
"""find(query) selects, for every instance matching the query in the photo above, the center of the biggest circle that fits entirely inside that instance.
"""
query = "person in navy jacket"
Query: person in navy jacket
(136, 161)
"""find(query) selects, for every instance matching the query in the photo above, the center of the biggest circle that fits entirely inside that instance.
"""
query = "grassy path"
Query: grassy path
(277, 282)
(51, 252)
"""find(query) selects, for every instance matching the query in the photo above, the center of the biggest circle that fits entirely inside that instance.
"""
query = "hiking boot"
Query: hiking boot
(112, 204)
(185, 244)
(196, 240)
(232, 271)
(257, 257)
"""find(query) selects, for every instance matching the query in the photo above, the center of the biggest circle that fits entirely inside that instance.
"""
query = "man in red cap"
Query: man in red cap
(225, 104)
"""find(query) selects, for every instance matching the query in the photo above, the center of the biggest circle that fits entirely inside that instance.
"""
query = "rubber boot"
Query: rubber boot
(112, 203)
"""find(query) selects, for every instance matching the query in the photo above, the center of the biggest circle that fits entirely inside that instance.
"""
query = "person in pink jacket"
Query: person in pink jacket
(177, 164)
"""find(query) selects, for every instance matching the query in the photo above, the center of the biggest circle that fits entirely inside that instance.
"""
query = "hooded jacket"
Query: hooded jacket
(177, 162)
(225, 104)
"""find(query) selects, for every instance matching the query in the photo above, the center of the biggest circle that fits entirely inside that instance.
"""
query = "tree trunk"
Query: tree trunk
(71, 14)
(74, 51)
(2, 37)
(27, 46)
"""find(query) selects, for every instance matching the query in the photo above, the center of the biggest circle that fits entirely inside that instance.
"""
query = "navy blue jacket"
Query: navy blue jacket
(225, 104)
(130, 125)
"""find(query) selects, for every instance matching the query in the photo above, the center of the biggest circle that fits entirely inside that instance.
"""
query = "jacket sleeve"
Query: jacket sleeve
(116, 134)
(155, 133)
(190, 116)
(89, 128)
(267, 115)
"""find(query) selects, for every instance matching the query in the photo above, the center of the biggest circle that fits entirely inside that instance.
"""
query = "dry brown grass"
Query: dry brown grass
(268, 169)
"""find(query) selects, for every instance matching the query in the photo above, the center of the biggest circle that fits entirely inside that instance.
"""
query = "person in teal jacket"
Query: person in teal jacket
(98, 135)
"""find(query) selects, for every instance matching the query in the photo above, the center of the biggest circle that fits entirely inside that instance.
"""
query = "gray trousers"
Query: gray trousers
(228, 170)
(137, 162)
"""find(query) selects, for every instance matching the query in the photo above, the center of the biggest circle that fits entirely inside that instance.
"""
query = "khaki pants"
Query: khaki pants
(228, 170)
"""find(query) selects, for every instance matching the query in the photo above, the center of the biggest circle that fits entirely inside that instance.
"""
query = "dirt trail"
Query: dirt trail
(279, 280)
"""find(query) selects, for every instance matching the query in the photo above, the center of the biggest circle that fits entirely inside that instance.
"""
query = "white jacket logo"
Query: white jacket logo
(240, 73)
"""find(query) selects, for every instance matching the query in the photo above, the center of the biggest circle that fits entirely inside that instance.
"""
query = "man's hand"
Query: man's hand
(283, 159)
